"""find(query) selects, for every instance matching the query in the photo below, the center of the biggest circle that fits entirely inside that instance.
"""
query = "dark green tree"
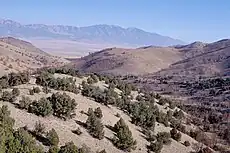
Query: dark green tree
(123, 138)
(98, 112)
(63, 105)
(41, 107)
(95, 126)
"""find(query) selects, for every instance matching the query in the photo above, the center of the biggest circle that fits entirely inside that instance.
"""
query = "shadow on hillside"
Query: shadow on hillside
(82, 112)
(40, 138)
(82, 124)
(110, 128)
(110, 139)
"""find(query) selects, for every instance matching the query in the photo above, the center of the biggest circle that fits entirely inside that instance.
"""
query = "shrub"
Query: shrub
(77, 131)
(39, 128)
(164, 137)
(156, 146)
(63, 106)
(66, 84)
(41, 107)
(53, 149)
(8, 96)
(163, 101)
(172, 105)
(178, 114)
(90, 80)
(31, 91)
(118, 115)
(162, 118)
(46, 90)
(68, 148)
(52, 138)
(24, 103)
(16, 92)
(123, 139)
(36, 90)
(175, 134)
(95, 126)
(98, 112)
(12, 141)
(187, 143)
(85, 149)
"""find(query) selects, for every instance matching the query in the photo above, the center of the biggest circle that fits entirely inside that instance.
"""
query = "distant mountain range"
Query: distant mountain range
(96, 34)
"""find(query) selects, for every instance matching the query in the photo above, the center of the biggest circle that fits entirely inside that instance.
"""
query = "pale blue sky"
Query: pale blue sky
(188, 20)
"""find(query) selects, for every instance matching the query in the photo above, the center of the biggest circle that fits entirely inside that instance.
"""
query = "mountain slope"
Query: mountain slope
(18, 55)
(96, 33)
(128, 61)
(202, 60)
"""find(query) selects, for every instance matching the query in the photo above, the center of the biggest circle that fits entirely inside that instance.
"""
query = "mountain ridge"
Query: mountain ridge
(97, 33)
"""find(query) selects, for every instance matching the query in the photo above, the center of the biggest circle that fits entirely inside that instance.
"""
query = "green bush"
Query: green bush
(63, 106)
(36, 89)
(98, 112)
(12, 141)
(164, 137)
(187, 143)
(95, 126)
(66, 84)
(77, 131)
(24, 103)
(69, 148)
(175, 134)
(163, 118)
(52, 138)
(14, 79)
(178, 114)
(41, 107)
(156, 146)
(8, 96)
(53, 149)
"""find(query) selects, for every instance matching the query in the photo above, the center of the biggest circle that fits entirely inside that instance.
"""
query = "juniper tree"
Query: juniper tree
(123, 138)
(98, 112)
(95, 126)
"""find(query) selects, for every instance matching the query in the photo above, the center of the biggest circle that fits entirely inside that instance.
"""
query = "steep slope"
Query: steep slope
(95, 34)
(18, 55)
(129, 61)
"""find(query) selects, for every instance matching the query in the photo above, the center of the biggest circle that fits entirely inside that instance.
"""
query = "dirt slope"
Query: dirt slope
(129, 61)
(18, 55)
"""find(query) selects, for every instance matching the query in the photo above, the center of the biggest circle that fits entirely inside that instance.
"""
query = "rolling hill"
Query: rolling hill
(128, 61)
(17, 55)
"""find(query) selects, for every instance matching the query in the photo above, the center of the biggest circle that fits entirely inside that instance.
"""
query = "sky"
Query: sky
(187, 20)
